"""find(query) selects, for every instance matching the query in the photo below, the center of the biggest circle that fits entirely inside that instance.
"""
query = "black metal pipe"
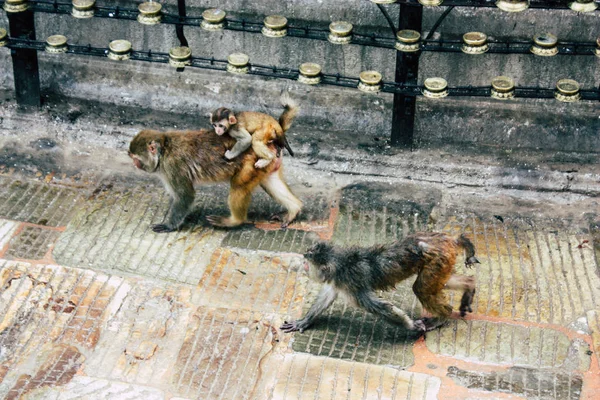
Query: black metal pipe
(439, 21)
(388, 18)
(179, 27)
(407, 70)
(25, 61)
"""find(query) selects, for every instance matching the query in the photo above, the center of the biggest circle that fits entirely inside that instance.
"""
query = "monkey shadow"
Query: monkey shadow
(356, 329)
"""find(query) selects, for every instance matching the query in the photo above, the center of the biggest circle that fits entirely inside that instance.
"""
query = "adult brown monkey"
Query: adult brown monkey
(185, 158)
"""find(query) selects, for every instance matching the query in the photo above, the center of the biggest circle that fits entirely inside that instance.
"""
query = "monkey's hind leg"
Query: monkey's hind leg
(428, 289)
(391, 313)
(277, 188)
(260, 138)
(467, 285)
(240, 195)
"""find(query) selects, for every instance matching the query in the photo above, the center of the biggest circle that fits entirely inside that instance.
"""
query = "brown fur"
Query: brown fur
(263, 129)
(359, 272)
(183, 159)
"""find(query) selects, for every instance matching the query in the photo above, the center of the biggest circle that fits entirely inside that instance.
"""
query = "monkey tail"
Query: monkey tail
(288, 115)
(467, 245)
(290, 112)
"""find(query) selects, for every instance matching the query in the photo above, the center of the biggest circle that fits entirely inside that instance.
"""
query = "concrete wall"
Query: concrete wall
(197, 91)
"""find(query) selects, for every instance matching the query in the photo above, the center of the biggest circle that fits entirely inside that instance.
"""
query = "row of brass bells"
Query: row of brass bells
(503, 88)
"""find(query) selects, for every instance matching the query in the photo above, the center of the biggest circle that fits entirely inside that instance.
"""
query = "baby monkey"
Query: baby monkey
(255, 129)
(358, 272)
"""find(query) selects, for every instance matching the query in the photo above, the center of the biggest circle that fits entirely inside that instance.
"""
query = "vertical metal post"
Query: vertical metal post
(25, 61)
(407, 70)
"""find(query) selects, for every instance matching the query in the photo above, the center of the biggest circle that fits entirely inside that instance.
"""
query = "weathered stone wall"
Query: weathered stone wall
(197, 91)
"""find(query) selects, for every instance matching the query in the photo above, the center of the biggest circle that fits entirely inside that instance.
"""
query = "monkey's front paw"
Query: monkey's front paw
(229, 155)
(293, 326)
(262, 163)
(162, 228)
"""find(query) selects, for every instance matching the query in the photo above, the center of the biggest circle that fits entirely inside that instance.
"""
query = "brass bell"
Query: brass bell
(310, 73)
(149, 13)
(369, 81)
(597, 50)
(180, 57)
(56, 44)
(431, 3)
(474, 43)
(583, 5)
(340, 32)
(3, 37)
(275, 26)
(16, 6)
(503, 88)
(513, 5)
(435, 88)
(83, 8)
(213, 19)
(119, 50)
(237, 63)
(545, 45)
(567, 90)
(407, 41)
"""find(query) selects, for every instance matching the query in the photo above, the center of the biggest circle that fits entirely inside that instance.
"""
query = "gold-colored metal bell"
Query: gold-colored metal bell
(310, 73)
(474, 43)
(597, 50)
(119, 50)
(340, 32)
(513, 5)
(567, 90)
(583, 5)
(213, 19)
(435, 88)
(503, 88)
(16, 6)
(56, 44)
(370, 81)
(149, 13)
(275, 26)
(431, 3)
(180, 57)
(545, 45)
(237, 63)
(3, 37)
(83, 8)
(407, 41)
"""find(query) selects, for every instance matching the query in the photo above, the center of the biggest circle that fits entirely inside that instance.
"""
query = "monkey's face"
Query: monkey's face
(317, 258)
(144, 153)
(221, 126)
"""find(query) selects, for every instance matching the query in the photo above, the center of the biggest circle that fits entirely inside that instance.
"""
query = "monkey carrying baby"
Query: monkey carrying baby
(357, 273)
(257, 130)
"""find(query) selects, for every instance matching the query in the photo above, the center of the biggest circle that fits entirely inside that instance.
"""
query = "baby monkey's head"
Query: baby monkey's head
(319, 256)
(222, 119)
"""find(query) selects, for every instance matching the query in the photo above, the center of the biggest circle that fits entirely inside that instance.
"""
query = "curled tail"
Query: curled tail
(467, 245)
(288, 115)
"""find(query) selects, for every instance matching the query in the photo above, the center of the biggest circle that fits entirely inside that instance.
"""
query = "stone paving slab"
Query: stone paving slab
(308, 377)
(36, 202)
(112, 233)
(205, 325)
